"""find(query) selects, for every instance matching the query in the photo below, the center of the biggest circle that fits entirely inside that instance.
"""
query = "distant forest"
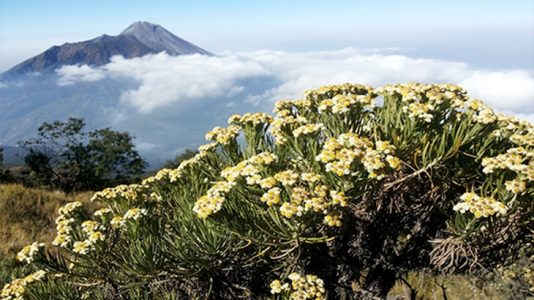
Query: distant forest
(66, 156)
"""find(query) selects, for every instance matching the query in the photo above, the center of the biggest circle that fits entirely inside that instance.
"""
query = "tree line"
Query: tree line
(65, 155)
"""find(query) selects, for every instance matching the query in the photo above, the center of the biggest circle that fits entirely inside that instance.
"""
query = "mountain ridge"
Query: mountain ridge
(160, 39)
(138, 39)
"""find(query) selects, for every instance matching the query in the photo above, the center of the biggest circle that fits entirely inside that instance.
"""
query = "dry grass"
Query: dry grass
(457, 287)
(27, 215)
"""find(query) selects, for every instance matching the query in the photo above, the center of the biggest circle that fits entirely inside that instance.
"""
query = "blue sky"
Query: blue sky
(486, 34)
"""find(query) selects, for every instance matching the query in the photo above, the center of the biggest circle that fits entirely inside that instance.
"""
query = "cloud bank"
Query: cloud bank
(72, 74)
(165, 80)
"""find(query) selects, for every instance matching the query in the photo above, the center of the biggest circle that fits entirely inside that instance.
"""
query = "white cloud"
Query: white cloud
(506, 90)
(164, 80)
(72, 74)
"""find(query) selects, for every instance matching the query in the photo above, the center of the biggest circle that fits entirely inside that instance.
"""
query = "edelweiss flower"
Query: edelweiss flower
(135, 213)
(82, 247)
(271, 197)
(515, 186)
(28, 253)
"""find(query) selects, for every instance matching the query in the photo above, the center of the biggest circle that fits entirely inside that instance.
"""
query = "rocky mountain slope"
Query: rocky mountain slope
(137, 40)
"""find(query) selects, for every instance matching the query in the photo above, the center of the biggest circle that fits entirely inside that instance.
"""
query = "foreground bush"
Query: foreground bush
(334, 197)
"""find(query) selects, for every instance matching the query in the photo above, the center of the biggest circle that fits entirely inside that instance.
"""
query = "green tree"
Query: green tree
(2, 171)
(65, 156)
(5, 174)
(113, 157)
(335, 197)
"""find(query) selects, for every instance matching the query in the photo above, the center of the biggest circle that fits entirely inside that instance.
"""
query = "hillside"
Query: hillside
(28, 214)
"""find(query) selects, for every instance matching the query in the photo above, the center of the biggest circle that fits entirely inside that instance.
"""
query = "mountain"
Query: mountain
(159, 39)
(137, 40)
(30, 94)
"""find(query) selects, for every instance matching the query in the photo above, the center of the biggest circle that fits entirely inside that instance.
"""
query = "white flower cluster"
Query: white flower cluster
(173, 175)
(341, 104)
(248, 169)
(132, 192)
(519, 160)
(69, 208)
(307, 129)
(15, 289)
(135, 213)
(357, 91)
(93, 231)
(223, 136)
(102, 212)
(292, 116)
(213, 200)
(480, 207)
(250, 119)
(285, 125)
(301, 287)
(482, 113)
(339, 154)
(425, 101)
(305, 193)
(131, 214)
(64, 224)
(29, 252)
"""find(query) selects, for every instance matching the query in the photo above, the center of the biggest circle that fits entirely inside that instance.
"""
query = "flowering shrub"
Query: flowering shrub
(340, 194)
